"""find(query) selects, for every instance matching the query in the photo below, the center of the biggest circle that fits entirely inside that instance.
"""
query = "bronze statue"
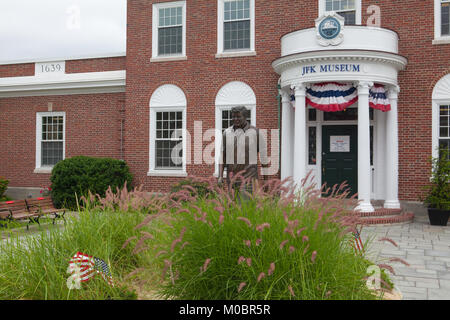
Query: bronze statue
(241, 144)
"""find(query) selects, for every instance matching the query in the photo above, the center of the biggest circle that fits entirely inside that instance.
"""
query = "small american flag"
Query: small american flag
(90, 266)
(357, 242)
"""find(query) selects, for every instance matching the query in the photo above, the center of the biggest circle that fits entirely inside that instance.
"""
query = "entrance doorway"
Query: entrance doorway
(340, 156)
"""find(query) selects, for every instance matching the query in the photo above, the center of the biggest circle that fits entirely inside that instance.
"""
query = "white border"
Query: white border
(438, 38)
(155, 21)
(152, 136)
(220, 21)
(39, 115)
(358, 8)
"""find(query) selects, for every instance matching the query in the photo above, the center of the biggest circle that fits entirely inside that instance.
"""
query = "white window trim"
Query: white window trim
(358, 8)
(440, 96)
(218, 139)
(153, 171)
(435, 124)
(220, 22)
(438, 38)
(155, 23)
(39, 168)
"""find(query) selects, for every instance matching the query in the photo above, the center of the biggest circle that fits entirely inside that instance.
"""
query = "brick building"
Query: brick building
(188, 62)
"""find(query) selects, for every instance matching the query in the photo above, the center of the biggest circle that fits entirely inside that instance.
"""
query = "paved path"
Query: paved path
(426, 248)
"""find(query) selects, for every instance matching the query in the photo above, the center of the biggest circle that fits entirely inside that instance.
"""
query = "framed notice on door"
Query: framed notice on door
(339, 143)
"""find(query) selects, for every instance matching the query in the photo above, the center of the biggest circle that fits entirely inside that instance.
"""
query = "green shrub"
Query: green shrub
(82, 174)
(265, 247)
(35, 267)
(438, 193)
(3, 186)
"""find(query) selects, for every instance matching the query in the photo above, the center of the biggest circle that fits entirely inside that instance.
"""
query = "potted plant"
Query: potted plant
(437, 198)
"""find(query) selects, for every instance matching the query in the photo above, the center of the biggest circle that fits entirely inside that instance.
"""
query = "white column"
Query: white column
(300, 135)
(392, 151)
(287, 137)
(380, 154)
(364, 182)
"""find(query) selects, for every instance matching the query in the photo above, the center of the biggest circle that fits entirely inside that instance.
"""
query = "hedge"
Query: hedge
(81, 174)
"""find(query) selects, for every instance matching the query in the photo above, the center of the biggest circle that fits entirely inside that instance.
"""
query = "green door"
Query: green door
(340, 156)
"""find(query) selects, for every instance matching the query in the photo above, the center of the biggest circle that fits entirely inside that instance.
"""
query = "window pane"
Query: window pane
(445, 24)
(350, 17)
(312, 114)
(51, 153)
(237, 35)
(170, 40)
(444, 144)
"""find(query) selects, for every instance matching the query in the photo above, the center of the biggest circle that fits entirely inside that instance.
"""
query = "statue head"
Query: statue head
(239, 116)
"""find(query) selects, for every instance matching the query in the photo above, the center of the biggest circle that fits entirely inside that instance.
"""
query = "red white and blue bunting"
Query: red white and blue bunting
(334, 97)
(378, 99)
(331, 96)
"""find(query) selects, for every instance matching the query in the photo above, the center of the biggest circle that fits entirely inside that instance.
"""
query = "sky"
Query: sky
(45, 29)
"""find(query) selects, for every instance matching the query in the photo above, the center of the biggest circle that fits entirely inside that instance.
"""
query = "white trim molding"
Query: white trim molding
(358, 9)
(155, 23)
(63, 84)
(441, 96)
(167, 98)
(221, 53)
(438, 37)
(39, 115)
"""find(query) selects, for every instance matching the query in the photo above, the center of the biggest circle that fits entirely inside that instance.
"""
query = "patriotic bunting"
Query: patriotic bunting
(331, 96)
(378, 99)
(334, 97)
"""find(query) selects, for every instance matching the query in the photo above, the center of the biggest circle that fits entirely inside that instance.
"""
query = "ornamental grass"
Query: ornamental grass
(271, 244)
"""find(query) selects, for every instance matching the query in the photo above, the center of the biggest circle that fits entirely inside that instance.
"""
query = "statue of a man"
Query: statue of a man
(241, 144)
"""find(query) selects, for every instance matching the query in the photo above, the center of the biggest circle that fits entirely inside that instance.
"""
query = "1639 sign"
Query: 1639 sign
(47, 68)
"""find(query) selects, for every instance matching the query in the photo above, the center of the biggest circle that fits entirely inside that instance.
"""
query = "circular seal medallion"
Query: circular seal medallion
(329, 28)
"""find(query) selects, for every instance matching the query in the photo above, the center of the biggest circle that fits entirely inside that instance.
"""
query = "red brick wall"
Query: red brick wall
(427, 63)
(17, 70)
(92, 129)
(202, 75)
(95, 65)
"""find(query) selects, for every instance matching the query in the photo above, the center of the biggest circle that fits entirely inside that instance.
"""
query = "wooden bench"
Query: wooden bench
(18, 210)
(45, 206)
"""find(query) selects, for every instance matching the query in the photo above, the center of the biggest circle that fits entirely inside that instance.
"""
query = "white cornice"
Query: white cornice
(73, 83)
(283, 63)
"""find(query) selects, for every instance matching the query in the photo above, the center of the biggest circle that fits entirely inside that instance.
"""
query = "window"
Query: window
(444, 128)
(50, 139)
(445, 13)
(169, 30)
(441, 21)
(349, 9)
(441, 116)
(169, 140)
(168, 132)
(232, 94)
(236, 27)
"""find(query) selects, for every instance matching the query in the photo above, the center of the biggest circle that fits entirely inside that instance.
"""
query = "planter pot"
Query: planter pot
(438, 217)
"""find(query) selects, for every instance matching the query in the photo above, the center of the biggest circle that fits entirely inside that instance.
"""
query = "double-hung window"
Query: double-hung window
(169, 30)
(169, 140)
(441, 21)
(349, 9)
(236, 27)
(50, 139)
(444, 128)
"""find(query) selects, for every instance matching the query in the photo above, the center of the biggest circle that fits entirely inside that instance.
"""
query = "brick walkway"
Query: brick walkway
(426, 248)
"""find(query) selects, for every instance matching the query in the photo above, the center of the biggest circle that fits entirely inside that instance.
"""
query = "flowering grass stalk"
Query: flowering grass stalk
(293, 249)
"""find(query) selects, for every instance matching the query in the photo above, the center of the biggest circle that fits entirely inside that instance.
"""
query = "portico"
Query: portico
(359, 59)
